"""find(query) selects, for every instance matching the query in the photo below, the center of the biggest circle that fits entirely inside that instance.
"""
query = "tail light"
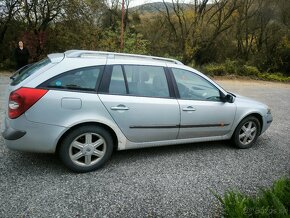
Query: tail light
(22, 99)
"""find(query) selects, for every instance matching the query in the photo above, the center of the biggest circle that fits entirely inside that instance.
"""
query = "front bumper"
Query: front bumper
(267, 120)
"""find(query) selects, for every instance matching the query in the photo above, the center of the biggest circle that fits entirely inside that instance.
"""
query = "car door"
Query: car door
(203, 114)
(139, 100)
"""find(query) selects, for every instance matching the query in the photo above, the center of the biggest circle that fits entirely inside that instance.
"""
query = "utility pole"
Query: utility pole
(122, 25)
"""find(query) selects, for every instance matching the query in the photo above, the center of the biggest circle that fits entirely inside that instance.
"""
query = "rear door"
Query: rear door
(139, 100)
(203, 114)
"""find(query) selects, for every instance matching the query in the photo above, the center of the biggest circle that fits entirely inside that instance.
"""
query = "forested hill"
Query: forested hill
(157, 7)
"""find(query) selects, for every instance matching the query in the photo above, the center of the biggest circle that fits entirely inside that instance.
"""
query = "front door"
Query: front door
(203, 114)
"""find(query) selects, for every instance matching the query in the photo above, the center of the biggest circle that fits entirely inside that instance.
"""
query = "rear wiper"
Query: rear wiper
(14, 75)
(19, 71)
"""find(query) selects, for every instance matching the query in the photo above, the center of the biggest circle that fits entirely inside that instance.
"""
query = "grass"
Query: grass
(272, 202)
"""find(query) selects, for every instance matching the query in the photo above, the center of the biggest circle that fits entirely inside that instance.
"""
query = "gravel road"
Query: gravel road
(172, 181)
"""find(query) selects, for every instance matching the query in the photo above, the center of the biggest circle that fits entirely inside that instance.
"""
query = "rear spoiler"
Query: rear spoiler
(56, 57)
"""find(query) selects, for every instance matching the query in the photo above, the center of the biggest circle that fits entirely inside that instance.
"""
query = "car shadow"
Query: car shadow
(45, 163)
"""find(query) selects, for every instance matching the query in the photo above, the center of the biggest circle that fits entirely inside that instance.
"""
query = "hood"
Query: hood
(249, 102)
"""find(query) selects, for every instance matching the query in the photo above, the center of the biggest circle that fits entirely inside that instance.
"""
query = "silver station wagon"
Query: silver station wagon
(84, 104)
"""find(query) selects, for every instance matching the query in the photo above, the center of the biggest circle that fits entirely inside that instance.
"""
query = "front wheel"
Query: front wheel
(247, 132)
(86, 148)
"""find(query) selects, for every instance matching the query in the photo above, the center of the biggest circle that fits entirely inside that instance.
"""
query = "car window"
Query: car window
(79, 79)
(194, 87)
(146, 81)
(27, 71)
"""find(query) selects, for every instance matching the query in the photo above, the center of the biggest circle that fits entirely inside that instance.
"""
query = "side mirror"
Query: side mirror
(228, 98)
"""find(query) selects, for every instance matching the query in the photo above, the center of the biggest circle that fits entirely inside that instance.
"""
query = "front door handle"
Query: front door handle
(120, 107)
(189, 108)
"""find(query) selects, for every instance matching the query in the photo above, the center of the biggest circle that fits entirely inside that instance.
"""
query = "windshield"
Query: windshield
(25, 72)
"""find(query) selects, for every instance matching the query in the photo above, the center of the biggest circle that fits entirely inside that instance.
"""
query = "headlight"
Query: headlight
(268, 111)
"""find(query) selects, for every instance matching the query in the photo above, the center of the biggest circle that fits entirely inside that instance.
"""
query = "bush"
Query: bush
(239, 69)
(251, 71)
(7, 64)
(214, 69)
(274, 77)
(272, 202)
(230, 68)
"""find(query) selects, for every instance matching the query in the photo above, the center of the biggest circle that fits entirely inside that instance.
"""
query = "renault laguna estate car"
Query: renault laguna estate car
(83, 104)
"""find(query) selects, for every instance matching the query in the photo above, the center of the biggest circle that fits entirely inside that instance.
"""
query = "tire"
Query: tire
(86, 148)
(247, 132)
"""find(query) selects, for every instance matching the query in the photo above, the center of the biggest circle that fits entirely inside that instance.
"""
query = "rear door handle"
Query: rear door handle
(189, 108)
(120, 107)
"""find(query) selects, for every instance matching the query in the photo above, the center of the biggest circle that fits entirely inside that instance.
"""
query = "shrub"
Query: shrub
(274, 77)
(7, 64)
(251, 71)
(271, 202)
(214, 69)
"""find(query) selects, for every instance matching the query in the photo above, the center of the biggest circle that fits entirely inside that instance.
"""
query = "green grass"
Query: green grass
(272, 202)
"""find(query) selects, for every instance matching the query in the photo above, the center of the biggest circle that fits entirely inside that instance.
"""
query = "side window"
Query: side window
(193, 87)
(117, 82)
(79, 79)
(147, 81)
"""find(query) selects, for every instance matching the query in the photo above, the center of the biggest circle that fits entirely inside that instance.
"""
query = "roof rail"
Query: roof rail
(104, 54)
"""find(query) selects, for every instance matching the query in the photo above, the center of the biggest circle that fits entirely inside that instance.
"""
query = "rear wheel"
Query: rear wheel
(247, 132)
(86, 148)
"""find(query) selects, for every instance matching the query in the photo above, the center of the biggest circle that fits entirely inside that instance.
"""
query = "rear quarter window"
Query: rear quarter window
(78, 79)
(29, 70)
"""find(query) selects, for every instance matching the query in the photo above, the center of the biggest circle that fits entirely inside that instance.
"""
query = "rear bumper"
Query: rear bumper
(10, 133)
(23, 135)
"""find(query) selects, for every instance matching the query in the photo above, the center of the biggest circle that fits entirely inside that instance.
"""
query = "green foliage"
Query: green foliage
(251, 71)
(214, 69)
(134, 43)
(282, 57)
(272, 202)
(279, 77)
(239, 69)
(7, 64)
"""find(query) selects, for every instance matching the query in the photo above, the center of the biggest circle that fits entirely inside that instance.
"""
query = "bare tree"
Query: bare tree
(196, 26)
(38, 15)
(8, 8)
(245, 31)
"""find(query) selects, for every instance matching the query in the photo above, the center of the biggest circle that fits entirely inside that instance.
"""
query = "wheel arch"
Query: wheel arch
(106, 127)
(256, 115)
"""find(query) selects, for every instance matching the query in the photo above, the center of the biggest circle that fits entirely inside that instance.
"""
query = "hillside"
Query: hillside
(156, 7)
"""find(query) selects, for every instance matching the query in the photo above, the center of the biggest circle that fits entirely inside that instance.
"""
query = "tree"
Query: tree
(39, 14)
(8, 8)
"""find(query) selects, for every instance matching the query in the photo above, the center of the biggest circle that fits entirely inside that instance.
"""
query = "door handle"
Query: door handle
(189, 108)
(120, 107)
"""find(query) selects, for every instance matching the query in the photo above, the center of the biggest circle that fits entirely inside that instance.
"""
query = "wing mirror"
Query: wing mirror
(228, 98)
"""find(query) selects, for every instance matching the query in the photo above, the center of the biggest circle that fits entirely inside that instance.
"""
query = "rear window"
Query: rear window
(29, 70)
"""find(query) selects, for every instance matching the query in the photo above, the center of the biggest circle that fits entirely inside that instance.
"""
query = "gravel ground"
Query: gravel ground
(172, 181)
